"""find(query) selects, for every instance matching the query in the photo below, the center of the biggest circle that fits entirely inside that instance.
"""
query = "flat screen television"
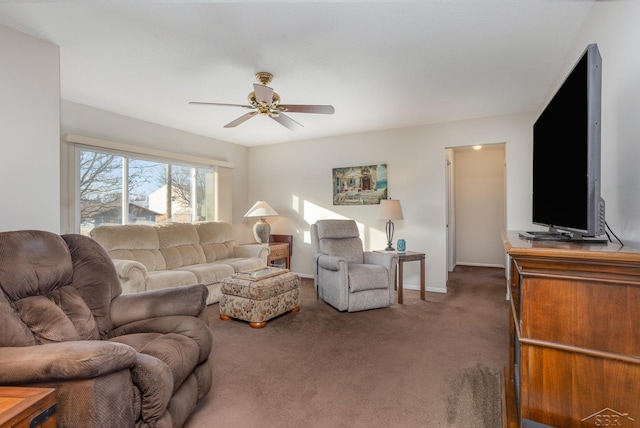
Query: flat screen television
(566, 157)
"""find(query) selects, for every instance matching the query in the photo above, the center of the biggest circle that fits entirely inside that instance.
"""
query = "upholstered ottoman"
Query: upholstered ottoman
(257, 301)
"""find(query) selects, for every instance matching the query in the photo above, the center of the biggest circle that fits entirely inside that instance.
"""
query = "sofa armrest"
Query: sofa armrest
(83, 359)
(187, 300)
(132, 275)
(328, 262)
(252, 250)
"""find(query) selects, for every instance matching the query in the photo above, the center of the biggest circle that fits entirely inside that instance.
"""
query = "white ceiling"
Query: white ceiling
(380, 64)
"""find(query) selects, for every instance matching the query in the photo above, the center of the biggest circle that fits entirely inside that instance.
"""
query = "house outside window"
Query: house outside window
(152, 190)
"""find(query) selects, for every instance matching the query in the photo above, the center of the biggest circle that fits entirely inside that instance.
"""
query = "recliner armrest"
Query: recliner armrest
(187, 300)
(82, 359)
(334, 263)
(386, 260)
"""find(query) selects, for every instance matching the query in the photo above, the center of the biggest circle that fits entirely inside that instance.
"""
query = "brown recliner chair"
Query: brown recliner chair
(115, 360)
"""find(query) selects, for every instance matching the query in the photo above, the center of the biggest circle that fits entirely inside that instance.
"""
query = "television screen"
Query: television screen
(566, 154)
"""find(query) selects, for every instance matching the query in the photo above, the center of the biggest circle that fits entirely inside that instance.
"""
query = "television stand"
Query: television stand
(573, 333)
(561, 237)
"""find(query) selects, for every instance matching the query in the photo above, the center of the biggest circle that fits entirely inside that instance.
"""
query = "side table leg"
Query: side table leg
(400, 282)
(422, 275)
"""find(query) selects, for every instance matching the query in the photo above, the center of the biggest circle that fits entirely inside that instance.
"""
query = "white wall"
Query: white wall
(614, 27)
(29, 132)
(479, 205)
(295, 178)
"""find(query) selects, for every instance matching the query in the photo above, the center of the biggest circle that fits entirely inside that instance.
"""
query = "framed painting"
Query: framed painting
(360, 185)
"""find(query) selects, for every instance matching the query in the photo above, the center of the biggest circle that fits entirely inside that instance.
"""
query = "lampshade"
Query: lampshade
(390, 209)
(261, 209)
(261, 230)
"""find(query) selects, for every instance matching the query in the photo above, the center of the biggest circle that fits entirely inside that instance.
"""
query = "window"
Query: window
(153, 190)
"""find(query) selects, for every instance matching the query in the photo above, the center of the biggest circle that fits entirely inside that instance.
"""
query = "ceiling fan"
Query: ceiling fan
(264, 101)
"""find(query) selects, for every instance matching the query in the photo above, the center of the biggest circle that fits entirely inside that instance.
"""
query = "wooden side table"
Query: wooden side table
(279, 251)
(27, 407)
(410, 256)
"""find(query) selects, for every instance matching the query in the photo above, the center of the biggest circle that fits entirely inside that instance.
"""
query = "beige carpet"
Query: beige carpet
(432, 363)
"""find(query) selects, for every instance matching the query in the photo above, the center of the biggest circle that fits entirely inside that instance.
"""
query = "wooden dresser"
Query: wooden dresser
(27, 407)
(575, 335)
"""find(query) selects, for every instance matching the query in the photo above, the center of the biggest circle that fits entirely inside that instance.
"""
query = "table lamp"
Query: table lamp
(390, 209)
(261, 230)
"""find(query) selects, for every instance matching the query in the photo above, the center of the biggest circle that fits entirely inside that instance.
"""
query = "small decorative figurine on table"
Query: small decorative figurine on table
(402, 245)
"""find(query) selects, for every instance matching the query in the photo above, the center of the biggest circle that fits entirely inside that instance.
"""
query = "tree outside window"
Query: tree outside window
(154, 191)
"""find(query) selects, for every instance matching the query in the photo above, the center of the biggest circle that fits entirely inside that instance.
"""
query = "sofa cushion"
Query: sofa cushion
(94, 278)
(209, 273)
(179, 244)
(248, 263)
(170, 278)
(33, 264)
(59, 317)
(138, 242)
(126, 237)
(151, 259)
(217, 252)
(14, 331)
(216, 239)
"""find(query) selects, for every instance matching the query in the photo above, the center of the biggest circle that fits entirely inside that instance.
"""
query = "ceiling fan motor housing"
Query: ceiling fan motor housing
(264, 108)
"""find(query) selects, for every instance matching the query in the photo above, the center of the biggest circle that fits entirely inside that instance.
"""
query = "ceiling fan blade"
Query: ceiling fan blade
(220, 104)
(299, 108)
(286, 121)
(241, 119)
(264, 94)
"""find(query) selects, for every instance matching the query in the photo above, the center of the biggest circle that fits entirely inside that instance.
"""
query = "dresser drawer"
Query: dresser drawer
(279, 253)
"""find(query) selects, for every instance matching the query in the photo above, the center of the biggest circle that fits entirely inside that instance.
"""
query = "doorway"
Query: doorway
(476, 205)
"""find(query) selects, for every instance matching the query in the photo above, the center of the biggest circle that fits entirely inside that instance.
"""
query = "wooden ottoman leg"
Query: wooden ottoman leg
(258, 324)
(296, 309)
(225, 318)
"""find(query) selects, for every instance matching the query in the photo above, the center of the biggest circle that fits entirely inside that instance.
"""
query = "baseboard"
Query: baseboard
(304, 275)
(427, 289)
(406, 286)
(491, 265)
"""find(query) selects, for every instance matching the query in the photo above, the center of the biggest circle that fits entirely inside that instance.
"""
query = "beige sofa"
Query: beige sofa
(151, 257)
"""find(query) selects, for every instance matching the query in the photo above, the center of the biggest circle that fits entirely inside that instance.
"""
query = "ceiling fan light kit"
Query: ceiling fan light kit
(264, 101)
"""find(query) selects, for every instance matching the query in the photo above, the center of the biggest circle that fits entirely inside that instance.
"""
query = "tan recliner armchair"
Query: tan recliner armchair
(136, 360)
(346, 276)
